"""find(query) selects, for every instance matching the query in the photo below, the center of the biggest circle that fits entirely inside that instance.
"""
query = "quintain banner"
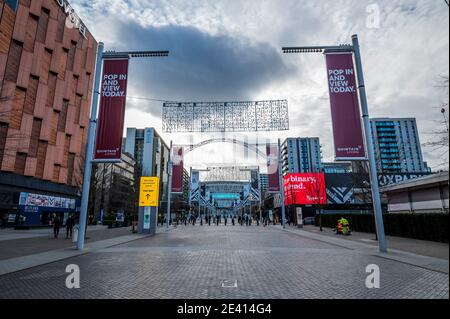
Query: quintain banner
(108, 145)
(345, 113)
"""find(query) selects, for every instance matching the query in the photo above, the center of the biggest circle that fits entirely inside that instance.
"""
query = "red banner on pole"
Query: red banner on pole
(177, 169)
(345, 113)
(108, 146)
(305, 189)
(272, 169)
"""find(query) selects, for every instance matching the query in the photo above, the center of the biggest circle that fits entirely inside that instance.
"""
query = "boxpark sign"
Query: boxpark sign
(73, 20)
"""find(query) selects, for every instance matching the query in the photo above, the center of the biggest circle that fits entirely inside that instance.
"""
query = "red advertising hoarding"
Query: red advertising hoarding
(177, 169)
(108, 145)
(272, 169)
(305, 189)
(345, 113)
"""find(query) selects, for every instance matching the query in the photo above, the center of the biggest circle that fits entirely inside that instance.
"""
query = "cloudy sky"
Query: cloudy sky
(230, 50)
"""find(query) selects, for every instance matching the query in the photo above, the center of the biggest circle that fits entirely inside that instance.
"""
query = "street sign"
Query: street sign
(149, 192)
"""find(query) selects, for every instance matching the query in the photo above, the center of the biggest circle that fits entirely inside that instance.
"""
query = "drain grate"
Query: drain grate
(229, 283)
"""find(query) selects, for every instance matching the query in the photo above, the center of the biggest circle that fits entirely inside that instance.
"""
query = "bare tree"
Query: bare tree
(439, 140)
(317, 195)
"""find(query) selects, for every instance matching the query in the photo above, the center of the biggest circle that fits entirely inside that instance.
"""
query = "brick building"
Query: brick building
(46, 79)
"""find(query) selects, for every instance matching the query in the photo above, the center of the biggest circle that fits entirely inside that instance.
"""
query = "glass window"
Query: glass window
(12, 4)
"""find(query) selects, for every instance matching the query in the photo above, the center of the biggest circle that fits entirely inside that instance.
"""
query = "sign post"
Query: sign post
(148, 198)
(90, 149)
(370, 148)
(345, 87)
(105, 152)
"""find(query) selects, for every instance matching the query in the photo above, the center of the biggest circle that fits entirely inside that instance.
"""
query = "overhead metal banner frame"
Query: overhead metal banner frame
(250, 116)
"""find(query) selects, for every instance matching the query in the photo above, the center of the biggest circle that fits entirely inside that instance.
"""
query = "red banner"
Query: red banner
(108, 146)
(272, 169)
(345, 113)
(177, 169)
(305, 189)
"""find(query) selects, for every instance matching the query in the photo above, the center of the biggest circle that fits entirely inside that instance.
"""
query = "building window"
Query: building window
(12, 4)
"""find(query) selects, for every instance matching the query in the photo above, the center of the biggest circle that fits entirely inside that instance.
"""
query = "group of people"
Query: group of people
(57, 223)
(216, 220)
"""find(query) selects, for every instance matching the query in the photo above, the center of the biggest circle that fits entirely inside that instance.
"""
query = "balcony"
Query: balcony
(383, 134)
(387, 140)
(383, 155)
(390, 161)
(385, 129)
(388, 145)
(391, 167)
(387, 123)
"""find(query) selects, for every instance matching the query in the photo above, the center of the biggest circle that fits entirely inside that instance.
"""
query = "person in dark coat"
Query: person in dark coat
(56, 225)
(69, 226)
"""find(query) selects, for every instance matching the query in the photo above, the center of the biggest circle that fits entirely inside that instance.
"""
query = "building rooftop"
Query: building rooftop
(437, 178)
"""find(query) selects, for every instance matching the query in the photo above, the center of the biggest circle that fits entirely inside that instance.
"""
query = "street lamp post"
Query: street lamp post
(169, 190)
(90, 150)
(92, 127)
(354, 47)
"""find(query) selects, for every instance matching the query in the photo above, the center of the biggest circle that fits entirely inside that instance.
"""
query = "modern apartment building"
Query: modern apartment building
(264, 183)
(397, 145)
(151, 154)
(301, 155)
(46, 81)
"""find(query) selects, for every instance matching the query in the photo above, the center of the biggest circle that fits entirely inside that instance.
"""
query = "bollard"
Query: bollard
(75, 231)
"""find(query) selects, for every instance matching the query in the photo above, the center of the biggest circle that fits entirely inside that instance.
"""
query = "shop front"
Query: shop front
(38, 210)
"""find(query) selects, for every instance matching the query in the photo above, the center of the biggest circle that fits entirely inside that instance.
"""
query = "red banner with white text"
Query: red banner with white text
(108, 146)
(305, 189)
(345, 113)
(177, 169)
(272, 168)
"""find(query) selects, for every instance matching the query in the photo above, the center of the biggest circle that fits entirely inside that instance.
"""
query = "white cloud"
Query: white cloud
(403, 58)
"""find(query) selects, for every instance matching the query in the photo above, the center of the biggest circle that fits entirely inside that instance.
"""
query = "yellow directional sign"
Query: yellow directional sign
(149, 192)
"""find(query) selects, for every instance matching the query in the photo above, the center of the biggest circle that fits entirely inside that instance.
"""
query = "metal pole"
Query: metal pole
(260, 195)
(280, 174)
(90, 149)
(169, 190)
(370, 148)
(190, 190)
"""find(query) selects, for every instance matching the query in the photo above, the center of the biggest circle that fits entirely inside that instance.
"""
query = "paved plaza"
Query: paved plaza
(227, 262)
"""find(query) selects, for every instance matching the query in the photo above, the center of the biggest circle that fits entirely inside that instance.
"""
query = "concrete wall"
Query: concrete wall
(431, 199)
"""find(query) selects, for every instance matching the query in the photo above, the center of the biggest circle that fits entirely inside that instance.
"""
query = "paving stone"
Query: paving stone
(192, 262)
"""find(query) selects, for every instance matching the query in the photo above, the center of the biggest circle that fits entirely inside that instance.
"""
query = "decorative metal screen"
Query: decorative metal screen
(228, 173)
(225, 116)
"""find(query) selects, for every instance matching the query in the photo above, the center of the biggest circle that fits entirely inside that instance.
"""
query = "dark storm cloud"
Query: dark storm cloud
(201, 67)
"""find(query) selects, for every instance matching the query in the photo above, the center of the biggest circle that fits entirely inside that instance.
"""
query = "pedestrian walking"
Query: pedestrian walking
(69, 226)
(56, 225)
(232, 220)
(226, 219)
